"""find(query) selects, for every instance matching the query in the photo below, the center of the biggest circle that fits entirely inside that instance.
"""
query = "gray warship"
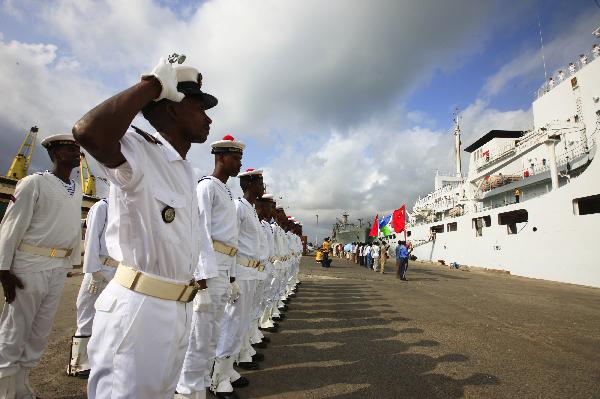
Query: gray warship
(345, 232)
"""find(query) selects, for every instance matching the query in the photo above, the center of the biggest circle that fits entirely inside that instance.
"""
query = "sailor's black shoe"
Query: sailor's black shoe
(248, 365)
(258, 357)
(227, 395)
(240, 382)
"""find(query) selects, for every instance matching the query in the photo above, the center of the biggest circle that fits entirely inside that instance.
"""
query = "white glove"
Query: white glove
(97, 283)
(167, 76)
(202, 301)
(234, 292)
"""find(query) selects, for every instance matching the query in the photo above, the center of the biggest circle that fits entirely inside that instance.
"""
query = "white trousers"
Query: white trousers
(85, 304)
(206, 330)
(26, 323)
(236, 320)
(138, 344)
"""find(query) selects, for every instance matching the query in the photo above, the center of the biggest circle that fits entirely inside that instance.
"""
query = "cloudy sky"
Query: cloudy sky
(347, 104)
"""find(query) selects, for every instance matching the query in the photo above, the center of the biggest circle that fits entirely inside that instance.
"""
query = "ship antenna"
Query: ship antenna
(457, 143)
(542, 43)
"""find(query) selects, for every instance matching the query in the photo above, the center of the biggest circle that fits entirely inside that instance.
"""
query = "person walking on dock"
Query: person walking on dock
(402, 260)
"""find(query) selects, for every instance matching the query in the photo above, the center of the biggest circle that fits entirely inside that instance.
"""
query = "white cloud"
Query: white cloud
(39, 90)
(376, 167)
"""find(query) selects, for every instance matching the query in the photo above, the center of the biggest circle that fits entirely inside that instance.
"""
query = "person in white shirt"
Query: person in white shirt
(236, 321)
(561, 75)
(366, 253)
(572, 68)
(583, 59)
(219, 221)
(99, 269)
(551, 83)
(375, 256)
(142, 324)
(40, 239)
(596, 50)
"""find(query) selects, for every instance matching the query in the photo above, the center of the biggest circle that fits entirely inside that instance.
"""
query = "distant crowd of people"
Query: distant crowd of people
(370, 255)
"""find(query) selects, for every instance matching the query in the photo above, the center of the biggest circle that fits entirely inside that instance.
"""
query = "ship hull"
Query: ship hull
(554, 244)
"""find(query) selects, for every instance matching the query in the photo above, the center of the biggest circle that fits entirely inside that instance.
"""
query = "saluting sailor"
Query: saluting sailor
(219, 222)
(40, 238)
(99, 269)
(142, 324)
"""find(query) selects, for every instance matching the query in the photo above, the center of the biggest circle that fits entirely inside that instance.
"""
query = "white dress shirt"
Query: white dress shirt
(218, 217)
(249, 237)
(42, 214)
(95, 242)
(153, 178)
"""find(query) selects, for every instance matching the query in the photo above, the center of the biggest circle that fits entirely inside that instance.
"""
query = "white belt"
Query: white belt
(108, 261)
(224, 248)
(146, 284)
(253, 263)
(41, 251)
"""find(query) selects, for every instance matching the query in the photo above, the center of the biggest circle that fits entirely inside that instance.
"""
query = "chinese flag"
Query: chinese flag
(375, 229)
(399, 219)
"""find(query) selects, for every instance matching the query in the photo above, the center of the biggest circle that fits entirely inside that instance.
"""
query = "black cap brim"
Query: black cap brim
(193, 89)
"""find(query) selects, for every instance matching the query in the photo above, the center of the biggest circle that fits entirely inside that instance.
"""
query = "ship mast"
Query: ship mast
(457, 144)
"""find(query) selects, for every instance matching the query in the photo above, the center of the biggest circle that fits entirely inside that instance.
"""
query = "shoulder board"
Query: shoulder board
(204, 178)
(147, 136)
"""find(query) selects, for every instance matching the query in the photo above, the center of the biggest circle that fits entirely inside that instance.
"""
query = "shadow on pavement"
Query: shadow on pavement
(344, 346)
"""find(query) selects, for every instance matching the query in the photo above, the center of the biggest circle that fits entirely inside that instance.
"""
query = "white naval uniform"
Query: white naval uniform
(280, 267)
(237, 315)
(218, 220)
(43, 214)
(95, 247)
(270, 282)
(138, 341)
(251, 334)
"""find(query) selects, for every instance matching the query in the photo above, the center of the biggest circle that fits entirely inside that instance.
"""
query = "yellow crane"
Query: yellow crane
(88, 180)
(20, 165)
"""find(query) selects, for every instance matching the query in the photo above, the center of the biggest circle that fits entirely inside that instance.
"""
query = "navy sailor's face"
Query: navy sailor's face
(193, 119)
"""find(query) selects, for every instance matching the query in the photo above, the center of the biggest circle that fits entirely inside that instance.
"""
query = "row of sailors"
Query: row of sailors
(583, 61)
(180, 277)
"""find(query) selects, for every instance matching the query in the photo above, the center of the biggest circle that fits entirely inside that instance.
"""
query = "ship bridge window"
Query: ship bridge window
(481, 222)
(510, 219)
(452, 227)
(437, 229)
(587, 205)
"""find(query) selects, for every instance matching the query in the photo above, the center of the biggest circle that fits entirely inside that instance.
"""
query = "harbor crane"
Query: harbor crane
(20, 164)
(88, 180)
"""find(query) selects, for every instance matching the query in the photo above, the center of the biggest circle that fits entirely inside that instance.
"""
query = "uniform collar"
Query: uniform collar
(170, 152)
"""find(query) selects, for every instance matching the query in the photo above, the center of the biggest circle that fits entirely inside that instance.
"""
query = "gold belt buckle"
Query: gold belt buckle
(52, 252)
(190, 290)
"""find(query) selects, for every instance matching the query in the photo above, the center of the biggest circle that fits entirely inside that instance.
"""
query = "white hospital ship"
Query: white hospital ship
(530, 202)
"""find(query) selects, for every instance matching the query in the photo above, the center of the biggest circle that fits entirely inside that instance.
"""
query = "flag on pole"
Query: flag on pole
(385, 226)
(375, 229)
(399, 219)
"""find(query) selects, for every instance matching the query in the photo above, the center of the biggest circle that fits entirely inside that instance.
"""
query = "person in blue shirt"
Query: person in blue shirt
(402, 253)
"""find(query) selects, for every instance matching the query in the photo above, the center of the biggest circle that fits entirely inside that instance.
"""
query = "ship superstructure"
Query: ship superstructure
(530, 202)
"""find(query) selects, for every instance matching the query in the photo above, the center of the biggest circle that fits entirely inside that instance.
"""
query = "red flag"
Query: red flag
(375, 229)
(399, 219)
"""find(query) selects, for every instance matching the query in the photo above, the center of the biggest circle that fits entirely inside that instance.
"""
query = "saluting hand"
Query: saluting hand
(9, 282)
(167, 76)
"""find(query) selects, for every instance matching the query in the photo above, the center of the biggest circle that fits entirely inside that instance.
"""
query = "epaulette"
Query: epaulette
(147, 136)
(204, 178)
